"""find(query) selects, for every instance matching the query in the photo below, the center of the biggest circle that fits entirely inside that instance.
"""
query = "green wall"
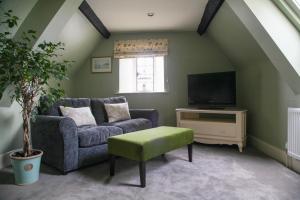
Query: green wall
(34, 20)
(80, 39)
(260, 87)
(188, 53)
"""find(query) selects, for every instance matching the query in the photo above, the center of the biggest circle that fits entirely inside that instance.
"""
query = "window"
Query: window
(141, 74)
(141, 65)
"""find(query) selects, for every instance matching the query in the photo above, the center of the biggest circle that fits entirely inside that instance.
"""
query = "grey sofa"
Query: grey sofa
(68, 147)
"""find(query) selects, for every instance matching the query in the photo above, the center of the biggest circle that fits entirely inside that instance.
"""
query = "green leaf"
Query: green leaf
(7, 14)
(11, 24)
(31, 31)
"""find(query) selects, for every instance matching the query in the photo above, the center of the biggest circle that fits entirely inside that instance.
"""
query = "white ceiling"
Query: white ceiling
(131, 15)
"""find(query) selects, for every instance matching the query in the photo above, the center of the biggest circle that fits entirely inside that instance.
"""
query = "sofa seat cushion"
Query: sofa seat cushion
(132, 125)
(90, 135)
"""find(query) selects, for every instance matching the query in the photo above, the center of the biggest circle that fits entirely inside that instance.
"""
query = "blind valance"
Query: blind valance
(136, 48)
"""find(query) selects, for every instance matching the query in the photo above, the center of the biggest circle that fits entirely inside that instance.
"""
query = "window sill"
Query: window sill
(165, 92)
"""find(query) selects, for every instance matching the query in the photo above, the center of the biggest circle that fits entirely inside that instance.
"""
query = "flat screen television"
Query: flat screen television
(212, 89)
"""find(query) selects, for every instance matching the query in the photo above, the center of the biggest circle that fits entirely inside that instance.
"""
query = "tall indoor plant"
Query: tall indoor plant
(30, 71)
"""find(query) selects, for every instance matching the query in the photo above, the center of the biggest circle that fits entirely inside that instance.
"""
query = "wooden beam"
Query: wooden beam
(92, 17)
(210, 11)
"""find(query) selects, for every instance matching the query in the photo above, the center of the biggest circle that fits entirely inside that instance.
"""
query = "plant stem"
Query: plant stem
(27, 149)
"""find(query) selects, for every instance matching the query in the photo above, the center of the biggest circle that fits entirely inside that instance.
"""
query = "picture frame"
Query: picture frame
(101, 65)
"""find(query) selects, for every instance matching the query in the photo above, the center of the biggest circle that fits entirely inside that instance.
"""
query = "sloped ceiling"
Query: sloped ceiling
(274, 34)
(263, 87)
(232, 36)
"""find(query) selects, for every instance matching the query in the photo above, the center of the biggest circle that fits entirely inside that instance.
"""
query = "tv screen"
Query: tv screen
(212, 89)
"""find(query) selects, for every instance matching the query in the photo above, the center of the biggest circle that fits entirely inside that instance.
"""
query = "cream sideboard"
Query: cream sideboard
(226, 126)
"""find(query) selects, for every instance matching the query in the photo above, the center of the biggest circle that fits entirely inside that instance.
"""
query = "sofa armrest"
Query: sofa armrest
(151, 114)
(57, 137)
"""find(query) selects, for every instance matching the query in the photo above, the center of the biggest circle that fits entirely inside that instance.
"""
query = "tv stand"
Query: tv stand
(211, 108)
(215, 126)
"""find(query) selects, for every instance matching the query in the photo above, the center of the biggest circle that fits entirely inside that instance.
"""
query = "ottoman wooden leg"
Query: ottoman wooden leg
(112, 165)
(142, 167)
(190, 149)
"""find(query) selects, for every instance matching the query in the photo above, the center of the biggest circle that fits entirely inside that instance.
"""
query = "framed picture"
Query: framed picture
(102, 65)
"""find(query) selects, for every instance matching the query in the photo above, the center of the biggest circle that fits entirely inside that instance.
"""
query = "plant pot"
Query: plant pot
(26, 169)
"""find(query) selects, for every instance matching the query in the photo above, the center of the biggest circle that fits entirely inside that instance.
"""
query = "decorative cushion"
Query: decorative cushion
(98, 109)
(132, 124)
(117, 112)
(81, 116)
(94, 135)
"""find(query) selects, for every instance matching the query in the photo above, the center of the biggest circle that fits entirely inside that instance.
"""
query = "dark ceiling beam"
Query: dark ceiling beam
(210, 11)
(92, 17)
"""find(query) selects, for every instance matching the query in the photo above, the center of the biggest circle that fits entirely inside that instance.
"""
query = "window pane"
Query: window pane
(127, 75)
(145, 74)
(159, 76)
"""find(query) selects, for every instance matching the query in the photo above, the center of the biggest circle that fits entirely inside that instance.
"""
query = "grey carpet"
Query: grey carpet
(218, 172)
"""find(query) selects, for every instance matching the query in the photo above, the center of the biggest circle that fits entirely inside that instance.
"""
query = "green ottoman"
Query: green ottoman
(146, 144)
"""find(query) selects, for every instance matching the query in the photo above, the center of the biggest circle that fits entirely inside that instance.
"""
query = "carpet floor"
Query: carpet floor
(217, 173)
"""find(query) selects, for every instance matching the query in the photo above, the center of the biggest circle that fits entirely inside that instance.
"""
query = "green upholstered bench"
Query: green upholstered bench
(146, 144)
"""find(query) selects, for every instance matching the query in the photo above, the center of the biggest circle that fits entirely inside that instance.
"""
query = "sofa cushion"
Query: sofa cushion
(90, 135)
(98, 109)
(132, 125)
(67, 102)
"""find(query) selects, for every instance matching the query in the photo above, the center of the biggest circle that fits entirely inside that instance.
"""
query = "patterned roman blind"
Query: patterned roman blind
(138, 48)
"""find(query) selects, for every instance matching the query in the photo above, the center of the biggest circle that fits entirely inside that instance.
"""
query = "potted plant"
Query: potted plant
(30, 71)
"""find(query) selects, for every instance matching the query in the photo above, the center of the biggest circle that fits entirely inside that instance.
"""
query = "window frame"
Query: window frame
(291, 10)
(145, 92)
(295, 6)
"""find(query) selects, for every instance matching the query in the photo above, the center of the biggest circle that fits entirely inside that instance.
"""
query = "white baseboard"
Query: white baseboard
(294, 164)
(4, 160)
(270, 150)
